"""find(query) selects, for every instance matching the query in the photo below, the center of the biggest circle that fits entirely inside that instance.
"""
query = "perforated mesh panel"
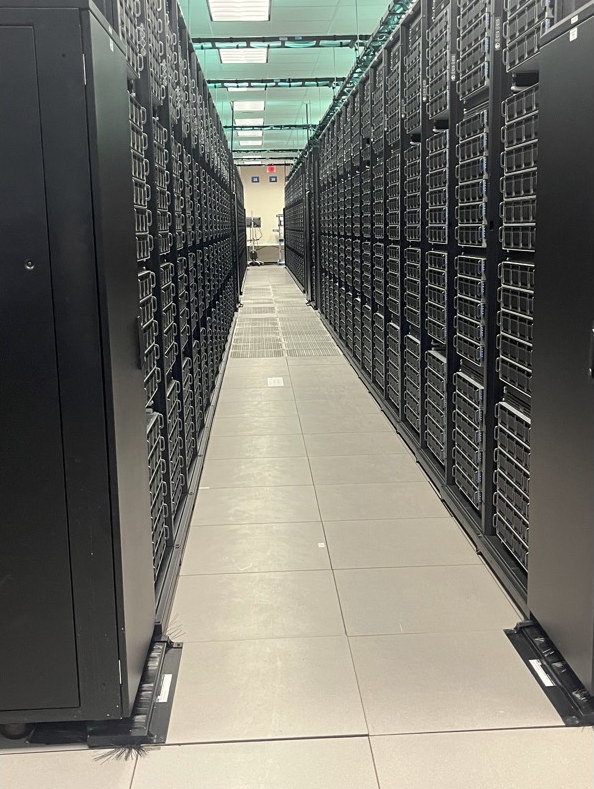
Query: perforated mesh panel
(275, 320)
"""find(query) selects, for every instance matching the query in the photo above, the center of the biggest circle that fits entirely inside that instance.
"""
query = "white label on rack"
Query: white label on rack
(541, 673)
(453, 68)
(575, 19)
(497, 33)
(165, 688)
(573, 34)
(276, 382)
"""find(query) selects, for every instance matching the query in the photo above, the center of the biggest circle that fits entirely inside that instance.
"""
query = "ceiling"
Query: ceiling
(287, 18)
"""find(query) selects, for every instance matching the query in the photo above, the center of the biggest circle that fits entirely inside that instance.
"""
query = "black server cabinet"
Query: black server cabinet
(77, 601)
(561, 563)
(296, 231)
(311, 221)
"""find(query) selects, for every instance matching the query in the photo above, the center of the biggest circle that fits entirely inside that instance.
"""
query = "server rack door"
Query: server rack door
(118, 298)
(38, 664)
(307, 262)
(561, 559)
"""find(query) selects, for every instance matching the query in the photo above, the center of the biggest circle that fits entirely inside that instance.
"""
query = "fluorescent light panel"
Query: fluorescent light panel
(249, 133)
(248, 106)
(244, 55)
(239, 10)
(249, 121)
(244, 90)
(250, 142)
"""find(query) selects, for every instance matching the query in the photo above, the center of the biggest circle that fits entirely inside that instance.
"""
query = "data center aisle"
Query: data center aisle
(340, 631)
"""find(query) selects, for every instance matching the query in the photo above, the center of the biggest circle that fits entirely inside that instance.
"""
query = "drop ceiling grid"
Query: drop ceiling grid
(288, 18)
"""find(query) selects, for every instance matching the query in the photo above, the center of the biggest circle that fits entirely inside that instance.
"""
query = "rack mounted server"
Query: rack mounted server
(121, 217)
(439, 303)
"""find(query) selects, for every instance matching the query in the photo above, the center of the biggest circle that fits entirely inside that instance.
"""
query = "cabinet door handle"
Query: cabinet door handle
(591, 357)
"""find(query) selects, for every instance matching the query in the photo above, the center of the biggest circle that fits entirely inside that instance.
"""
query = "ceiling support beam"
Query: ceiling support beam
(278, 82)
(265, 158)
(271, 127)
(279, 42)
(255, 151)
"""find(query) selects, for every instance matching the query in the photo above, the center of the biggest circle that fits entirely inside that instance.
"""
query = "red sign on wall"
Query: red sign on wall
(271, 168)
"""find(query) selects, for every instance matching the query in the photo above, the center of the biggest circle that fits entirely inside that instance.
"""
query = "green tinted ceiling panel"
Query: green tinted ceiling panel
(285, 105)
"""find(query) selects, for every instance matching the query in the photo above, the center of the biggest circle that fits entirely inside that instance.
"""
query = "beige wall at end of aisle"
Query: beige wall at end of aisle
(265, 199)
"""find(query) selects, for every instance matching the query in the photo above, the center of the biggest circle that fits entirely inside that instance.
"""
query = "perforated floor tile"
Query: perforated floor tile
(275, 321)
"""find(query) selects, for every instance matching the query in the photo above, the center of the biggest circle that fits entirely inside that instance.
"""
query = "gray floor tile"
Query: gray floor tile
(250, 408)
(375, 500)
(250, 472)
(518, 759)
(253, 380)
(353, 469)
(250, 690)
(331, 375)
(289, 764)
(342, 422)
(447, 682)
(274, 366)
(256, 426)
(337, 392)
(403, 542)
(66, 770)
(362, 403)
(316, 361)
(257, 605)
(260, 371)
(229, 447)
(255, 548)
(332, 444)
(283, 504)
(422, 600)
(269, 394)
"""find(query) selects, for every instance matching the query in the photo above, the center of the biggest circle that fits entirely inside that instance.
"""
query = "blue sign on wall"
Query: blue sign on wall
(273, 179)
(255, 179)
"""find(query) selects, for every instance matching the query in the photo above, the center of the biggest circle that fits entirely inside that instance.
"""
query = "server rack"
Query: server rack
(560, 538)
(193, 248)
(435, 307)
(295, 228)
(312, 220)
(378, 171)
(394, 223)
(523, 28)
(139, 193)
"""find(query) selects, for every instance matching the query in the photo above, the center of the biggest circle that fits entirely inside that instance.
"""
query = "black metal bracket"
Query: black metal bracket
(278, 82)
(564, 690)
(147, 725)
(271, 127)
(280, 42)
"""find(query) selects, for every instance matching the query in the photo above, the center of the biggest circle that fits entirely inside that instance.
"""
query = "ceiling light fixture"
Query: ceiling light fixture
(239, 10)
(243, 55)
(249, 121)
(248, 106)
(249, 133)
(244, 90)
(250, 142)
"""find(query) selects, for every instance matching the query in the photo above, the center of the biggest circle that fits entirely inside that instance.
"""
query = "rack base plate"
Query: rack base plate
(563, 689)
